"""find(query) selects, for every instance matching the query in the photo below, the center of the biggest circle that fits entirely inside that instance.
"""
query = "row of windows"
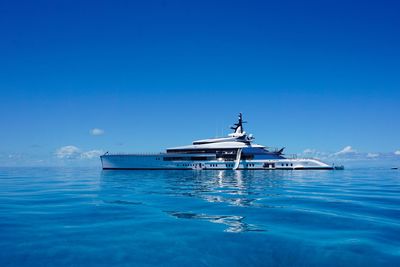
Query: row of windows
(269, 165)
(230, 165)
(199, 151)
(186, 158)
(186, 165)
(287, 164)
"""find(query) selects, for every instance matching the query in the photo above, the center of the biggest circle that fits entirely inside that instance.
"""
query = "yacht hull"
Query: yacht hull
(165, 162)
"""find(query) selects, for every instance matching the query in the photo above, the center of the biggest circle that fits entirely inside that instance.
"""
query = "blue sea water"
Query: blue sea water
(88, 217)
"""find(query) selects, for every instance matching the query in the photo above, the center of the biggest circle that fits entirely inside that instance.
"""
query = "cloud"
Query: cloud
(397, 152)
(373, 155)
(73, 152)
(96, 131)
(346, 150)
(309, 151)
(313, 153)
(91, 154)
(15, 156)
(68, 152)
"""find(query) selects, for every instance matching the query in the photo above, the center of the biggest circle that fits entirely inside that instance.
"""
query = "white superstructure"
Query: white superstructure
(235, 152)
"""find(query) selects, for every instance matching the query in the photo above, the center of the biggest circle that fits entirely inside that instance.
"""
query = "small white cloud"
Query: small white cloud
(73, 152)
(372, 155)
(15, 156)
(96, 131)
(91, 154)
(310, 152)
(346, 150)
(397, 152)
(67, 152)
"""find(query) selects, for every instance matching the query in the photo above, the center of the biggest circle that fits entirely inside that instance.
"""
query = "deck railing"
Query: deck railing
(132, 154)
(288, 156)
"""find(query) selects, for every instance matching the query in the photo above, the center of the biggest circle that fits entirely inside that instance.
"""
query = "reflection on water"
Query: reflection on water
(235, 223)
(228, 188)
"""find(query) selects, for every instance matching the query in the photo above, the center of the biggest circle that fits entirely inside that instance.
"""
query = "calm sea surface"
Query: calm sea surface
(89, 217)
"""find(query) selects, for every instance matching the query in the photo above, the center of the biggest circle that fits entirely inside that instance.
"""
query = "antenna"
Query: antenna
(239, 123)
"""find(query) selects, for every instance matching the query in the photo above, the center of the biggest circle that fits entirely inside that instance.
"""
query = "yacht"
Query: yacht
(237, 151)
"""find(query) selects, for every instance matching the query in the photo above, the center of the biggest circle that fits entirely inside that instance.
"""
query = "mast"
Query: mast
(238, 127)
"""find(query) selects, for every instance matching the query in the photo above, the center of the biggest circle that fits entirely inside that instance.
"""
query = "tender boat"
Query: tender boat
(234, 152)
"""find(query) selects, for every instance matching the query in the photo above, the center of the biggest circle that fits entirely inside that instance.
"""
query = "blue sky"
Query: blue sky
(316, 75)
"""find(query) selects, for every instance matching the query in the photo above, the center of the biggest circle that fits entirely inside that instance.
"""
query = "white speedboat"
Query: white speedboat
(234, 152)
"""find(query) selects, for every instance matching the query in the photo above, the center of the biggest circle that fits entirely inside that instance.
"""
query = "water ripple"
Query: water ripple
(67, 217)
(235, 223)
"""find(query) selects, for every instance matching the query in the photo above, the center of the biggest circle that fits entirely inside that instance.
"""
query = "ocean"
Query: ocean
(89, 217)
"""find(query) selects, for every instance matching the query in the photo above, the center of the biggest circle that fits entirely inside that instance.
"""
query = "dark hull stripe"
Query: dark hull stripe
(209, 169)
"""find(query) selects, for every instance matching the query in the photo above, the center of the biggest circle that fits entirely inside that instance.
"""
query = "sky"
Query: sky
(78, 78)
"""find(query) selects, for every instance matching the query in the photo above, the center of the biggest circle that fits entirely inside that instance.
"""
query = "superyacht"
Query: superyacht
(234, 152)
